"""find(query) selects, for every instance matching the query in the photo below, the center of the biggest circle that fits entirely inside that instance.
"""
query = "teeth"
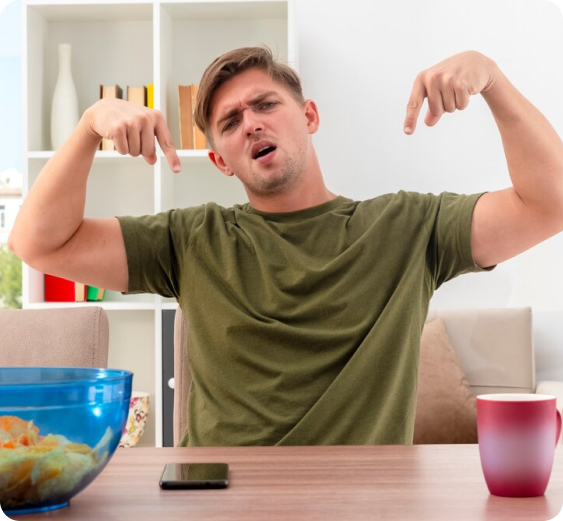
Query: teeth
(262, 150)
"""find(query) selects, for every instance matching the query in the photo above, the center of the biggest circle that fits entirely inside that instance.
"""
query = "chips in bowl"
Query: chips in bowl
(34, 468)
(59, 427)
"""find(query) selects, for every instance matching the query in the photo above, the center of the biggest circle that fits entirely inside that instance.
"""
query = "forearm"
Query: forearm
(533, 150)
(54, 207)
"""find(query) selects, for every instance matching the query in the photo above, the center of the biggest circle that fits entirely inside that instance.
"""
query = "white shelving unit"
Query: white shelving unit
(135, 43)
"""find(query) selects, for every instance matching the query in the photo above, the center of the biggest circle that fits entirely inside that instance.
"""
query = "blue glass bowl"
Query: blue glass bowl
(59, 427)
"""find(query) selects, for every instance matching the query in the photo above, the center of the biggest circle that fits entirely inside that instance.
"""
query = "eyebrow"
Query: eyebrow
(254, 101)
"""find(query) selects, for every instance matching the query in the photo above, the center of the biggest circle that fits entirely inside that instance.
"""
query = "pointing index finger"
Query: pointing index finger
(414, 105)
(167, 145)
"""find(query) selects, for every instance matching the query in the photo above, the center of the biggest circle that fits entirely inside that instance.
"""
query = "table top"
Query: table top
(419, 482)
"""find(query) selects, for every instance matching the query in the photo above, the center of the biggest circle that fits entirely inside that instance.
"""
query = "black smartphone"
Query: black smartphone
(195, 475)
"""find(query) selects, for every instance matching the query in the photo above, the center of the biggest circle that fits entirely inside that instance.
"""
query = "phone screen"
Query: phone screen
(195, 475)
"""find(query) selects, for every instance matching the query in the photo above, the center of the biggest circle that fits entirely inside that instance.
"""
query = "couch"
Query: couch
(467, 352)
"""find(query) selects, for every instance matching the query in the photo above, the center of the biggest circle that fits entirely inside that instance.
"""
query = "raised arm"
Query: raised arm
(50, 233)
(510, 221)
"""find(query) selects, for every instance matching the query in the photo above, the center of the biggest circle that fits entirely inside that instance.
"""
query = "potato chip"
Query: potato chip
(79, 448)
(16, 426)
(36, 468)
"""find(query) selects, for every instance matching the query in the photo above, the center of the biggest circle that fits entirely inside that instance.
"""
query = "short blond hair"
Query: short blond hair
(229, 65)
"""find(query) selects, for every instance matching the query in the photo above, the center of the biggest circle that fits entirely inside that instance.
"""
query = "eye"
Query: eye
(229, 125)
(269, 105)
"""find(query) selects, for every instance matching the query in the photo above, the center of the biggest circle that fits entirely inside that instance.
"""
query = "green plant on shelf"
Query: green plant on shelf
(10, 279)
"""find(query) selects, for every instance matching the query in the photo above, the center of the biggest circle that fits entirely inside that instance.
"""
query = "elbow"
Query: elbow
(30, 252)
(18, 247)
(14, 245)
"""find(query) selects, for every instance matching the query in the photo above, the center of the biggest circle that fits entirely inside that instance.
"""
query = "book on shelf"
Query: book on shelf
(186, 117)
(94, 294)
(109, 91)
(137, 95)
(79, 292)
(199, 135)
(150, 96)
(191, 137)
(58, 289)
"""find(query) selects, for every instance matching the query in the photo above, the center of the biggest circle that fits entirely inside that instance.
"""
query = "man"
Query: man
(305, 308)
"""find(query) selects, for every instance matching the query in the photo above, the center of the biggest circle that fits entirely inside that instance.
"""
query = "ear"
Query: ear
(312, 115)
(219, 162)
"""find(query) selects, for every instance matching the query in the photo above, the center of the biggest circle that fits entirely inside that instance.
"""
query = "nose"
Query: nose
(252, 122)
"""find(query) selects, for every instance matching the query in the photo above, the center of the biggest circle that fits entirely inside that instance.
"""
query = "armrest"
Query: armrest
(555, 389)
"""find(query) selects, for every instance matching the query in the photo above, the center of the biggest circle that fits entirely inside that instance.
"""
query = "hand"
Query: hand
(133, 129)
(448, 86)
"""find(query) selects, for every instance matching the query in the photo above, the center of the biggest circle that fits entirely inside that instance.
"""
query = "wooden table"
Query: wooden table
(422, 482)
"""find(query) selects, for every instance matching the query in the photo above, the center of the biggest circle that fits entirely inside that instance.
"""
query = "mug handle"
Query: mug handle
(558, 429)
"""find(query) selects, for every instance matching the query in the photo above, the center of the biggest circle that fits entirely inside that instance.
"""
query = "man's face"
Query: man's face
(261, 133)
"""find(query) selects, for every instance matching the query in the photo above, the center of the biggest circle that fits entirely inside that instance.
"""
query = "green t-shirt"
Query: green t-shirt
(304, 327)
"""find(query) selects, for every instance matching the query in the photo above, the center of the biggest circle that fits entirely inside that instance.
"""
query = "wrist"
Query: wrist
(87, 126)
(495, 77)
(503, 99)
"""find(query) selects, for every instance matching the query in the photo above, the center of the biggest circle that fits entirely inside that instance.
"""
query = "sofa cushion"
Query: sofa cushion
(446, 409)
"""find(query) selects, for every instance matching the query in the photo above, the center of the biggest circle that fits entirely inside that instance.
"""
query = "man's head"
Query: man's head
(259, 126)
(231, 64)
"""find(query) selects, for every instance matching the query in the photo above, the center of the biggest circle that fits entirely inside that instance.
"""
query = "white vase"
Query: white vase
(64, 110)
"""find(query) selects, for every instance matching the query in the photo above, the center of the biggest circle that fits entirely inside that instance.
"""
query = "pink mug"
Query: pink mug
(517, 435)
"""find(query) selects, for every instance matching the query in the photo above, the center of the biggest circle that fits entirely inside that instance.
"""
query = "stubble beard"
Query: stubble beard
(272, 182)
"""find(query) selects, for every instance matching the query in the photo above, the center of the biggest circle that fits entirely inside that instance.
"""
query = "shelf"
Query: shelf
(102, 157)
(77, 11)
(111, 44)
(165, 43)
(192, 154)
(189, 157)
(226, 10)
(105, 157)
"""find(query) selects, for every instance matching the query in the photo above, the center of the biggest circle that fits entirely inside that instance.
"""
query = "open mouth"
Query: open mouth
(264, 151)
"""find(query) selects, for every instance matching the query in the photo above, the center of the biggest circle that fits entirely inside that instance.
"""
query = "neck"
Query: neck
(311, 191)
(290, 202)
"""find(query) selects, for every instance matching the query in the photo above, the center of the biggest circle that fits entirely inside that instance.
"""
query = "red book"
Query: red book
(63, 290)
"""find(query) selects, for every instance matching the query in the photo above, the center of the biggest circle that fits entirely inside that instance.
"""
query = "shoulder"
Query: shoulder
(397, 202)
(423, 202)
(177, 222)
(197, 215)
(416, 209)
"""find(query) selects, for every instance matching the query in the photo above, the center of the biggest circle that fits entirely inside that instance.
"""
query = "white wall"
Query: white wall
(358, 61)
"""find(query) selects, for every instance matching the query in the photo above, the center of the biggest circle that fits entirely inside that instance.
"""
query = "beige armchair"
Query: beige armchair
(493, 352)
(182, 377)
(65, 337)
(494, 348)
(61, 337)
